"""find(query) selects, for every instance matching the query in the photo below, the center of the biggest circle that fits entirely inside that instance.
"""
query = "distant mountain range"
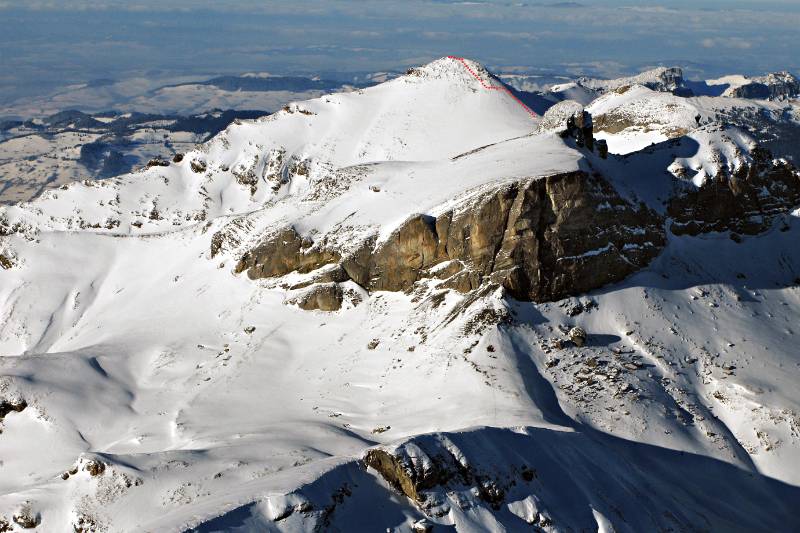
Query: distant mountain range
(74, 146)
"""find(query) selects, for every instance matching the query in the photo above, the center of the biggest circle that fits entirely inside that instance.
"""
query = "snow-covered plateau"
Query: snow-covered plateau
(416, 307)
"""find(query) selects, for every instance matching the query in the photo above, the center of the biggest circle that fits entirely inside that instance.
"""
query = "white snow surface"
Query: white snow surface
(218, 405)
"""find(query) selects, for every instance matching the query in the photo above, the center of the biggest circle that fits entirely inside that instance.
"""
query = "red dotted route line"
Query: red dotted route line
(493, 87)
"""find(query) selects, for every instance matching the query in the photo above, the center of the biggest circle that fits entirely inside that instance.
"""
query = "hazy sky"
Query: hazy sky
(46, 44)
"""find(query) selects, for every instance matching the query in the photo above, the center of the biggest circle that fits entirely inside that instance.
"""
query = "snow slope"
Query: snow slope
(165, 393)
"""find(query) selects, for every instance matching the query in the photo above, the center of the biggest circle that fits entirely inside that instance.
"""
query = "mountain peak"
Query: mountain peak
(454, 68)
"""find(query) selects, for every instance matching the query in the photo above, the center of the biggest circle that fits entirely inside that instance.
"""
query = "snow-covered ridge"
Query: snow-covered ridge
(416, 118)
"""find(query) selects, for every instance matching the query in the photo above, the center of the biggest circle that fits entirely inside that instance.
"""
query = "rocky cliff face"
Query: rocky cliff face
(541, 239)
(286, 252)
(671, 78)
(745, 201)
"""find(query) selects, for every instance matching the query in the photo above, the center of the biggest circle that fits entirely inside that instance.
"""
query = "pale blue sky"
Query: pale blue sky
(46, 44)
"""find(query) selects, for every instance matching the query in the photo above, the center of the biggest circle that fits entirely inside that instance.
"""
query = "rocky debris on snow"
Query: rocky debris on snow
(528, 236)
(246, 177)
(26, 518)
(155, 214)
(16, 228)
(11, 406)
(177, 158)
(65, 476)
(576, 307)
(422, 526)
(94, 467)
(573, 335)
(84, 523)
(295, 108)
(270, 166)
(198, 166)
(157, 162)
(578, 336)
(480, 318)
(6, 262)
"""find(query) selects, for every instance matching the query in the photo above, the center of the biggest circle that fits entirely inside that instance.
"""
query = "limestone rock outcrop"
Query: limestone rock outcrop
(540, 238)
(322, 297)
(285, 252)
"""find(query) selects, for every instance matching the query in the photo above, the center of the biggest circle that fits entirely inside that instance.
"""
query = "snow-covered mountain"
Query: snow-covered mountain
(416, 307)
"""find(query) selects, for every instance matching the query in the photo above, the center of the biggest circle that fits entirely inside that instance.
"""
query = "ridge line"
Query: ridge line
(493, 87)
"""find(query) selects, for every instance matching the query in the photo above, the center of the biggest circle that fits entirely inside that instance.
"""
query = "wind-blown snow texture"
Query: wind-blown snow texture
(146, 387)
